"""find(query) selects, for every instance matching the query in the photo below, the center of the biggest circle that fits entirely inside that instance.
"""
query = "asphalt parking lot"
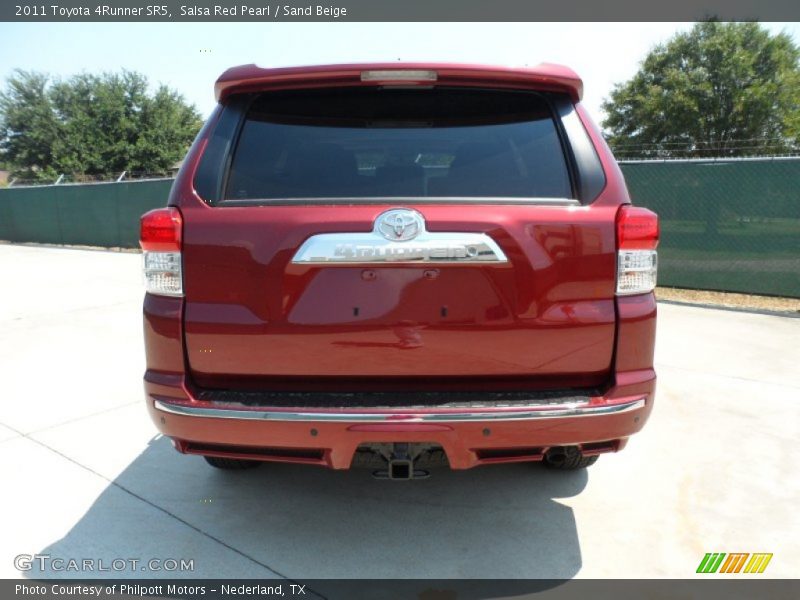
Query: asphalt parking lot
(84, 474)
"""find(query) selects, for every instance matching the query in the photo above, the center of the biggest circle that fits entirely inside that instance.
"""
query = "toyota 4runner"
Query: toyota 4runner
(399, 265)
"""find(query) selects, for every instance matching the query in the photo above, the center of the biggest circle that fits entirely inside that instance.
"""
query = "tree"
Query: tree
(92, 125)
(723, 89)
(27, 124)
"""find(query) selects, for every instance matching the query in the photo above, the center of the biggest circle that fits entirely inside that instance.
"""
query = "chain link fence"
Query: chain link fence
(80, 178)
(714, 150)
(98, 214)
(726, 224)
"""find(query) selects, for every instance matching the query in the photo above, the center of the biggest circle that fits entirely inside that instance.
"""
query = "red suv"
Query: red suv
(399, 265)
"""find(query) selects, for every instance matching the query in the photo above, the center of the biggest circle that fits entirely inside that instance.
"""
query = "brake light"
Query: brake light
(637, 260)
(160, 239)
(408, 75)
(161, 230)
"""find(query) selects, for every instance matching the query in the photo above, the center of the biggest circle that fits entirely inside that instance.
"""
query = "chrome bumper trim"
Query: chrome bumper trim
(570, 410)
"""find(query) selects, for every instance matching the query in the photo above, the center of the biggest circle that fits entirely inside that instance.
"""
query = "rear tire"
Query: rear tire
(568, 459)
(231, 464)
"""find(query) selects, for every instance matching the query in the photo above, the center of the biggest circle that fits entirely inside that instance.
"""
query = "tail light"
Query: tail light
(160, 239)
(637, 260)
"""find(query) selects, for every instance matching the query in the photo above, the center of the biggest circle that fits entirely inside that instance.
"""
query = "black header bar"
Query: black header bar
(397, 10)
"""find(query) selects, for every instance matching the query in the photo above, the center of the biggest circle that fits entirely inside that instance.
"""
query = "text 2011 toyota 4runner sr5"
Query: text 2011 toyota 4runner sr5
(398, 264)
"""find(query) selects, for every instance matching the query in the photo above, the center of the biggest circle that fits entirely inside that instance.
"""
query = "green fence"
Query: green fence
(729, 225)
(725, 225)
(100, 214)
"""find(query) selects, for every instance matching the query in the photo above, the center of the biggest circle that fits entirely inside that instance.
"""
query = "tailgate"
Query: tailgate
(251, 310)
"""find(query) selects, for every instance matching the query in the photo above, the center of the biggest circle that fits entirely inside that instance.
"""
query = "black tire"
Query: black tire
(232, 464)
(568, 459)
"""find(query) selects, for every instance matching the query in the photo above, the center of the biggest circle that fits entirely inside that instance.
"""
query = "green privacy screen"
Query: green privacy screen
(101, 214)
(725, 225)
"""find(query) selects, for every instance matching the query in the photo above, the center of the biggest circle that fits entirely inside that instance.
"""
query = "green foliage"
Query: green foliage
(91, 125)
(728, 89)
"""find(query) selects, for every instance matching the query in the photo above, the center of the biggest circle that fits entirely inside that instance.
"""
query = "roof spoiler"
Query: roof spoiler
(545, 76)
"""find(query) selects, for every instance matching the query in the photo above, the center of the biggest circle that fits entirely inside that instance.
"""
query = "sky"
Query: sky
(190, 56)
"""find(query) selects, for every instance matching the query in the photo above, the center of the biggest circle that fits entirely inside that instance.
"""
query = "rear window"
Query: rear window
(398, 143)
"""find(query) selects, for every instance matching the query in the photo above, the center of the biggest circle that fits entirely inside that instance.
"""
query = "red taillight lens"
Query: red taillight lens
(637, 228)
(161, 230)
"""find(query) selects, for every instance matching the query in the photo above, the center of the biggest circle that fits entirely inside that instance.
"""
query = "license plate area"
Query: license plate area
(396, 296)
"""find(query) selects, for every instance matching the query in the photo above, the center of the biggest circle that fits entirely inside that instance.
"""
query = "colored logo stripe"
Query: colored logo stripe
(758, 563)
(734, 562)
(712, 562)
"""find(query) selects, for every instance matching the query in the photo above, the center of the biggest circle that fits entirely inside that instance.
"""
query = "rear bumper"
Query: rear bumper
(191, 409)
(331, 437)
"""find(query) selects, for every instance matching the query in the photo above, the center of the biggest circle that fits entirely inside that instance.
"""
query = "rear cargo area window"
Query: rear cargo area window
(403, 143)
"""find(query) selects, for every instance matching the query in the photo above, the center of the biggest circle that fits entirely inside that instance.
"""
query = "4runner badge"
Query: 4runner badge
(399, 235)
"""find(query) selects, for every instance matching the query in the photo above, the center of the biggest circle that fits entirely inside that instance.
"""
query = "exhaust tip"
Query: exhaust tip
(558, 455)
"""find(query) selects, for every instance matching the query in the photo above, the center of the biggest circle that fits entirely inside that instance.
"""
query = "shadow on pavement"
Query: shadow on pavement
(305, 522)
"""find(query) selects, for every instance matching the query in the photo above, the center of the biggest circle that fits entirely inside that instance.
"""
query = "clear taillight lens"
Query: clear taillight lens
(160, 239)
(636, 271)
(162, 273)
(637, 260)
